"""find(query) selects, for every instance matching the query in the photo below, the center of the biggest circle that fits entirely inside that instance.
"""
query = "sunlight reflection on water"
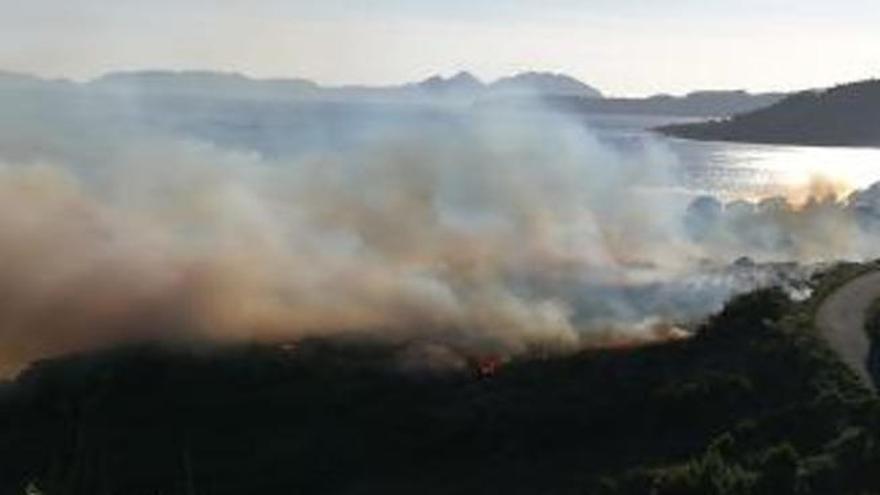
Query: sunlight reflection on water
(753, 171)
(741, 171)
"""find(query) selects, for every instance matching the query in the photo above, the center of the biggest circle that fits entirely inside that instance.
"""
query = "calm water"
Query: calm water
(732, 170)
(726, 170)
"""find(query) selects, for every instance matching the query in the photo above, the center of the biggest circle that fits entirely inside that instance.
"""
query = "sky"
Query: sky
(623, 47)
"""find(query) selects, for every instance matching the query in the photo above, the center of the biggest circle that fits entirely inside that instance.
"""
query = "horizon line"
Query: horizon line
(446, 75)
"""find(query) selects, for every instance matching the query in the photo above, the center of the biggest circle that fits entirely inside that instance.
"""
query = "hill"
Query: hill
(463, 84)
(206, 83)
(543, 83)
(846, 115)
(751, 405)
(697, 104)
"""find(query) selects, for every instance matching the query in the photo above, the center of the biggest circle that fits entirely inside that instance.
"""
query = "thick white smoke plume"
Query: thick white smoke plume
(824, 225)
(493, 232)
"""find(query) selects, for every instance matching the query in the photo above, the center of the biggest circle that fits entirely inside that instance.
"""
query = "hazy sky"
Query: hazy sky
(624, 47)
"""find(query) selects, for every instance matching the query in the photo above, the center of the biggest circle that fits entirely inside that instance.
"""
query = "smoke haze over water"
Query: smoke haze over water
(492, 232)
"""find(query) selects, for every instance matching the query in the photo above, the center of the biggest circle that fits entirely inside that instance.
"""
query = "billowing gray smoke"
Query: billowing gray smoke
(491, 232)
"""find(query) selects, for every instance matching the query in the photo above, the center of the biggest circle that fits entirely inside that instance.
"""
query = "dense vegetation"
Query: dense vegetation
(755, 403)
(872, 324)
(847, 115)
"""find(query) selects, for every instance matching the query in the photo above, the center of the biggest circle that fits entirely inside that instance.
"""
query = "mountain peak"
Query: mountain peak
(465, 77)
(462, 82)
(545, 83)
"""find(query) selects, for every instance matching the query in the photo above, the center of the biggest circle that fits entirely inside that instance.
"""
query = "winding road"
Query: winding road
(841, 320)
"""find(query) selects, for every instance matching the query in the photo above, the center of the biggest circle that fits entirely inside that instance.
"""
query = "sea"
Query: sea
(740, 170)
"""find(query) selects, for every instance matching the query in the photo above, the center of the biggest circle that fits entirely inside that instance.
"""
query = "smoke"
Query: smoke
(494, 233)
(814, 224)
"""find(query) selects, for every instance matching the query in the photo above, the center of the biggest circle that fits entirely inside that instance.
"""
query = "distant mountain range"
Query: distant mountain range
(201, 82)
(521, 91)
(463, 85)
(699, 104)
(846, 115)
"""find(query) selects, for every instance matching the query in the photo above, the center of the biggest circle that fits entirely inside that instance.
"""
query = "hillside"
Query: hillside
(847, 115)
(752, 404)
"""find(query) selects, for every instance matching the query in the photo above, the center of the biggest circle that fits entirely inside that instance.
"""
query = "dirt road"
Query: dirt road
(841, 319)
